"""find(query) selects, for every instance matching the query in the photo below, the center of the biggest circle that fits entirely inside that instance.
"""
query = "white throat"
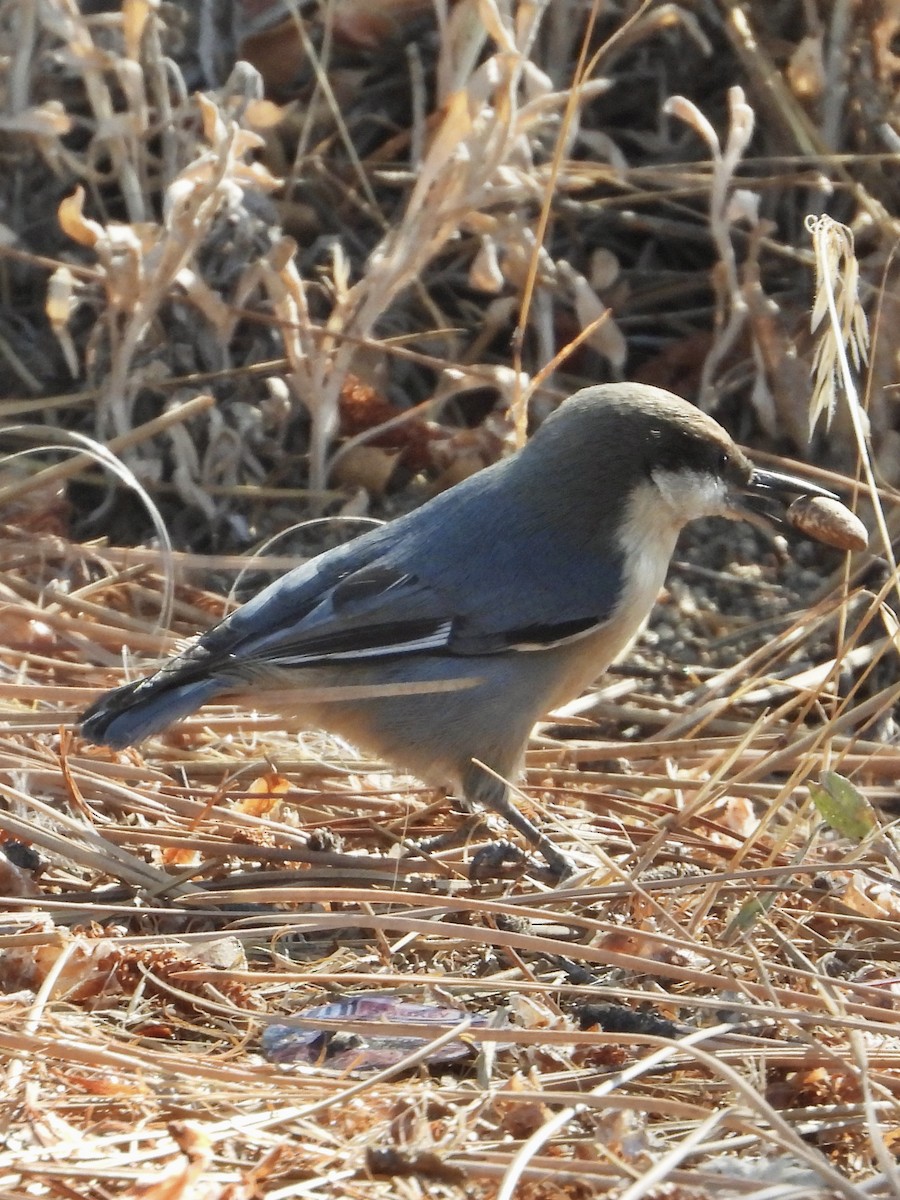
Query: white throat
(647, 538)
(688, 495)
(656, 513)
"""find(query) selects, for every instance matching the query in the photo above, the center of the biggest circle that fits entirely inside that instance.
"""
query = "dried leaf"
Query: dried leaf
(264, 795)
(369, 467)
(61, 302)
(73, 222)
(135, 14)
(46, 121)
(806, 68)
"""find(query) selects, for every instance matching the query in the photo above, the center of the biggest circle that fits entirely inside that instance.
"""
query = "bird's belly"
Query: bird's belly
(652, 544)
(585, 659)
(434, 734)
(581, 666)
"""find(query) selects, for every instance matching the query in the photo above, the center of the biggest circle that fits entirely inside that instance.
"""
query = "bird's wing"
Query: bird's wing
(379, 611)
(368, 613)
(385, 597)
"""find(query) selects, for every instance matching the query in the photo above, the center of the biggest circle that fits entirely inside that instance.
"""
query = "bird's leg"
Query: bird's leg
(490, 791)
(471, 825)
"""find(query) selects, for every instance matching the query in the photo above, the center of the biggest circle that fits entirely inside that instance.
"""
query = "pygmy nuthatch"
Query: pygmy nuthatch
(436, 641)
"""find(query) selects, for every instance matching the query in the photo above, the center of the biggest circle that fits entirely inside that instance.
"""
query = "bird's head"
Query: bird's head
(653, 458)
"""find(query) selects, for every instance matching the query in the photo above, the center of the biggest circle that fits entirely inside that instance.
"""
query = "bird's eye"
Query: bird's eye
(723, 461)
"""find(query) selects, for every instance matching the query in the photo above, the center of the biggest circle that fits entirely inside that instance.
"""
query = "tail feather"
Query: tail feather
(137, 710)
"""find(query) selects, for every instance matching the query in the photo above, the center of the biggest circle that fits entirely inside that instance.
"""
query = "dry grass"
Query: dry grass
(709, 1006)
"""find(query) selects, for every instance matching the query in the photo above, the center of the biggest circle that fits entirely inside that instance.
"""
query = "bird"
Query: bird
(437, 640)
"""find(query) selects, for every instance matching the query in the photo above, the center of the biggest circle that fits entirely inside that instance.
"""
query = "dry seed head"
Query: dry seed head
(837, 294)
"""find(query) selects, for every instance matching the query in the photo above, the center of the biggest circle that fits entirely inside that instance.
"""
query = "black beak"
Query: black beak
(766, 495)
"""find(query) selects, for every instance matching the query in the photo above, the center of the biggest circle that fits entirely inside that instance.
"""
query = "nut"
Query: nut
(828, 521)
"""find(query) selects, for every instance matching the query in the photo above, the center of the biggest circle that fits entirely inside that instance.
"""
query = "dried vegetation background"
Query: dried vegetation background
(323, 285)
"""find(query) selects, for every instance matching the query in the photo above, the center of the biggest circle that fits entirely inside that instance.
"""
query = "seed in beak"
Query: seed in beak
(828, 521)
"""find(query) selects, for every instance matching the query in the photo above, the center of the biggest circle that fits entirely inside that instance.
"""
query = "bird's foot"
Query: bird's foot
(468, 829)
(491, 791)
(498, 859)
(505, 860)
